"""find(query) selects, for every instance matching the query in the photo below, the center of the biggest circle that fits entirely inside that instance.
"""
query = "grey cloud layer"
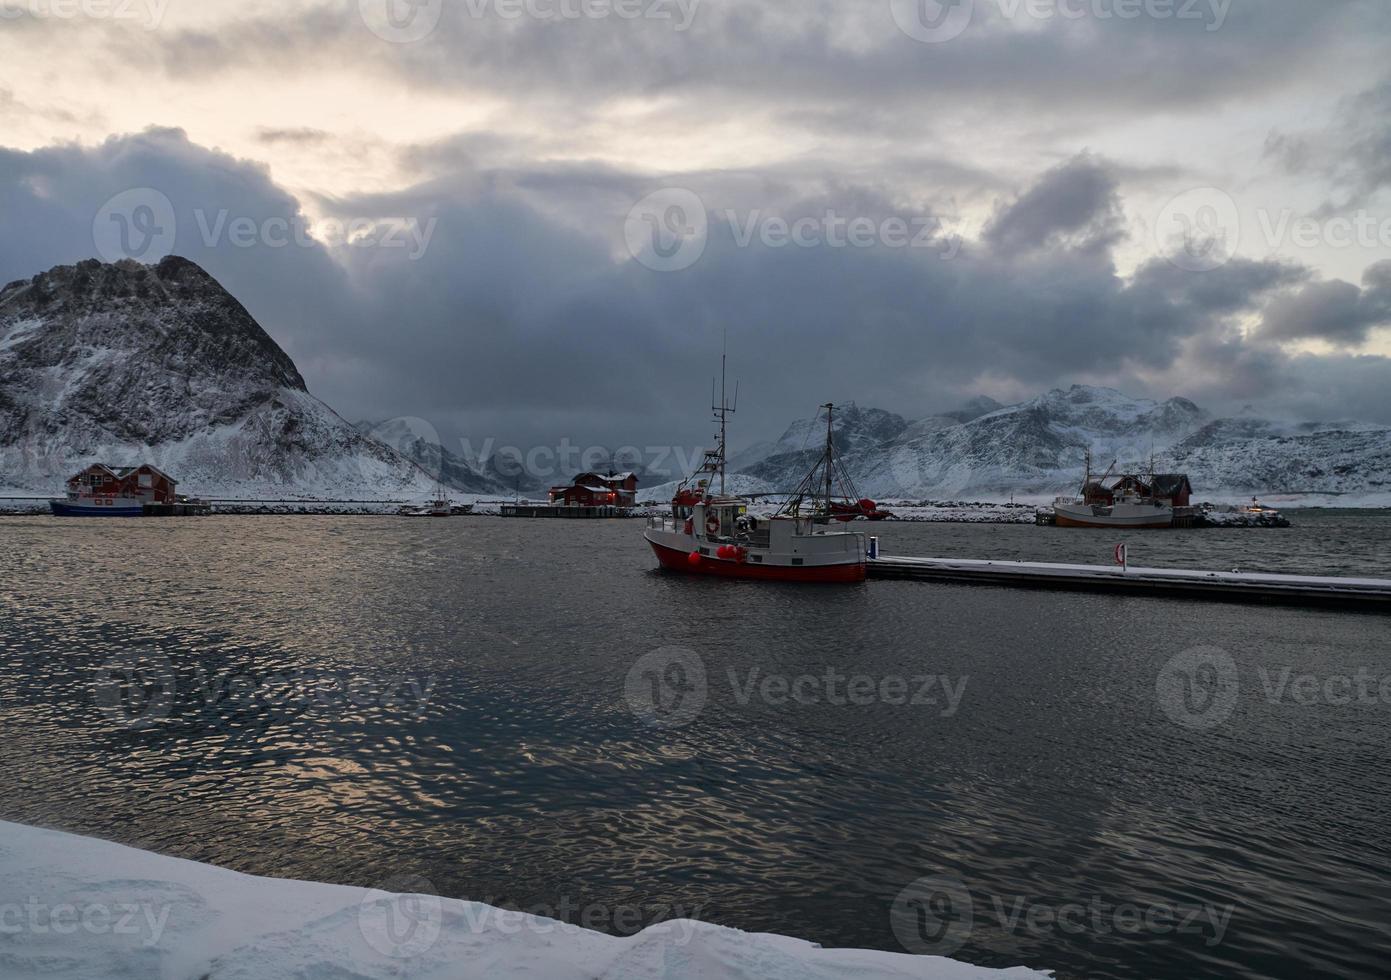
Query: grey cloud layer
(524, 320)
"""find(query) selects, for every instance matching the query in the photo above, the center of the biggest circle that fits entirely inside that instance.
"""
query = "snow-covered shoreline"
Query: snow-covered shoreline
(86, 909)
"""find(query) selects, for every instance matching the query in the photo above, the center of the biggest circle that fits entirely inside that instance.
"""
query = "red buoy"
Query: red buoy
(694, 558)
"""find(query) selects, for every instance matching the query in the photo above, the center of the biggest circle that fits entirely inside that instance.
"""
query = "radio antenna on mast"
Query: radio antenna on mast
(723, 409)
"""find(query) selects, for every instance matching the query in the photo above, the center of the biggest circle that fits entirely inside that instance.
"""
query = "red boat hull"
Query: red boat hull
(680, 561)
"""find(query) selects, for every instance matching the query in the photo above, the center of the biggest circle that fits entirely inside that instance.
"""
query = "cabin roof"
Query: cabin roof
(121, 472)
(1169, 484)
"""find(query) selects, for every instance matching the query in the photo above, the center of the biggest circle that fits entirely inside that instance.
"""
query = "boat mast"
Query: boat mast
(723, 409)
(830, 452)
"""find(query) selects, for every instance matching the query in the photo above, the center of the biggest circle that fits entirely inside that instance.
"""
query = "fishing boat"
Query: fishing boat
(441, 506)
(711, 532)
(1132, 502)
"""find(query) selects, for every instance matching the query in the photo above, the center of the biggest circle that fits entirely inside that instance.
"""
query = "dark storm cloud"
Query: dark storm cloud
(524, 318)
(1076, 204)
(1335, 311)
(55, 195)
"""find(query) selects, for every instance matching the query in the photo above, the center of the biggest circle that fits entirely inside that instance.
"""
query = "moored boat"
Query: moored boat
(97, 505)
(714, 533)
(1133, 501)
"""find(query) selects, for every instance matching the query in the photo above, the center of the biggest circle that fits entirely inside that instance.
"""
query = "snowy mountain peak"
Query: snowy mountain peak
(128, 362)
(853, 426)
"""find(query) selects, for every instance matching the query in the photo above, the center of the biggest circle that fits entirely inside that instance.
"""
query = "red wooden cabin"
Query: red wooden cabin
(593, 490)
(144, 482)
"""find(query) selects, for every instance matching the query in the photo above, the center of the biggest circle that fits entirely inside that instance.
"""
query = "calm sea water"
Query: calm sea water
(528, 714)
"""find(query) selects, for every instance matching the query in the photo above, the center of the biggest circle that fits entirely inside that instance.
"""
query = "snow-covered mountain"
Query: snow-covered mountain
(1037, 448)
(130, 363)
(418, 441)
(781, 464)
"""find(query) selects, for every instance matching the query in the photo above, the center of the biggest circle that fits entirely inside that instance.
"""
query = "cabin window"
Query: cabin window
(705, 552)
(147, 480)
(756, 559)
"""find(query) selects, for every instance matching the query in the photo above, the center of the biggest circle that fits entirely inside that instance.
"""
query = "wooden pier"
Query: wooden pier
(1293, 590)
(179, 508)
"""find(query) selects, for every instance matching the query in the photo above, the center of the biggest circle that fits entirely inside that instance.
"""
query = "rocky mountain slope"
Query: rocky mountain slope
(124, 363)
(418, 441)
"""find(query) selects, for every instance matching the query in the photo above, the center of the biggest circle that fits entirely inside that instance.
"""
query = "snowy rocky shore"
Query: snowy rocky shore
(84, 909)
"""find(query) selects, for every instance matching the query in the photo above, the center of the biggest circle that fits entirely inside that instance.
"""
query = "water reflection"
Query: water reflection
(352, 700)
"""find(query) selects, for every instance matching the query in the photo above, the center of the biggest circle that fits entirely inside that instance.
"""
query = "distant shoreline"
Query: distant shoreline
(925, 512)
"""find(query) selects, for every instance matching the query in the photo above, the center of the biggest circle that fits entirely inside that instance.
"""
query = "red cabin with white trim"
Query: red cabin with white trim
(593, 490)
(145, 483)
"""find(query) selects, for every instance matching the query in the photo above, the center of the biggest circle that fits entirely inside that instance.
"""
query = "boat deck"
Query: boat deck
(1366, 593)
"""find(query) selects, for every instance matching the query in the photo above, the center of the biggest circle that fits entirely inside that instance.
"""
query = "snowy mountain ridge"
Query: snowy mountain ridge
(1037, 448)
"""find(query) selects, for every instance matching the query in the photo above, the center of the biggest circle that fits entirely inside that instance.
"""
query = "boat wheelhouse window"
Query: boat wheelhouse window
(796, 561)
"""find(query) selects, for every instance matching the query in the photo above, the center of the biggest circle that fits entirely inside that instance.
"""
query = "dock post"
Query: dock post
(873, 547)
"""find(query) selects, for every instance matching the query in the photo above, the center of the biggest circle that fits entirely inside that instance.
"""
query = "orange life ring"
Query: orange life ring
(712, 525)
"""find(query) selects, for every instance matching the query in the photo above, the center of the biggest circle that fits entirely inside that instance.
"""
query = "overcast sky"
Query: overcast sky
(535, 219)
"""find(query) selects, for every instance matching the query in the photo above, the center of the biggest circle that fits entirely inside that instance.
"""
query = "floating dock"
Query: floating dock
(565, 513)
(1301, 590)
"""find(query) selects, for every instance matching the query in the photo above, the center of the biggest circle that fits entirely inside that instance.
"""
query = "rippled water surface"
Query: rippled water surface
(361, 699)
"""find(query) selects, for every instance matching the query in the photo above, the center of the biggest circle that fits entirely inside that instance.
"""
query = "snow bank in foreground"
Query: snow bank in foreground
(74, 907)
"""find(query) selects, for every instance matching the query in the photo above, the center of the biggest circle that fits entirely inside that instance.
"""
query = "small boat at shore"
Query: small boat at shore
(441, 506)
(714, 533)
